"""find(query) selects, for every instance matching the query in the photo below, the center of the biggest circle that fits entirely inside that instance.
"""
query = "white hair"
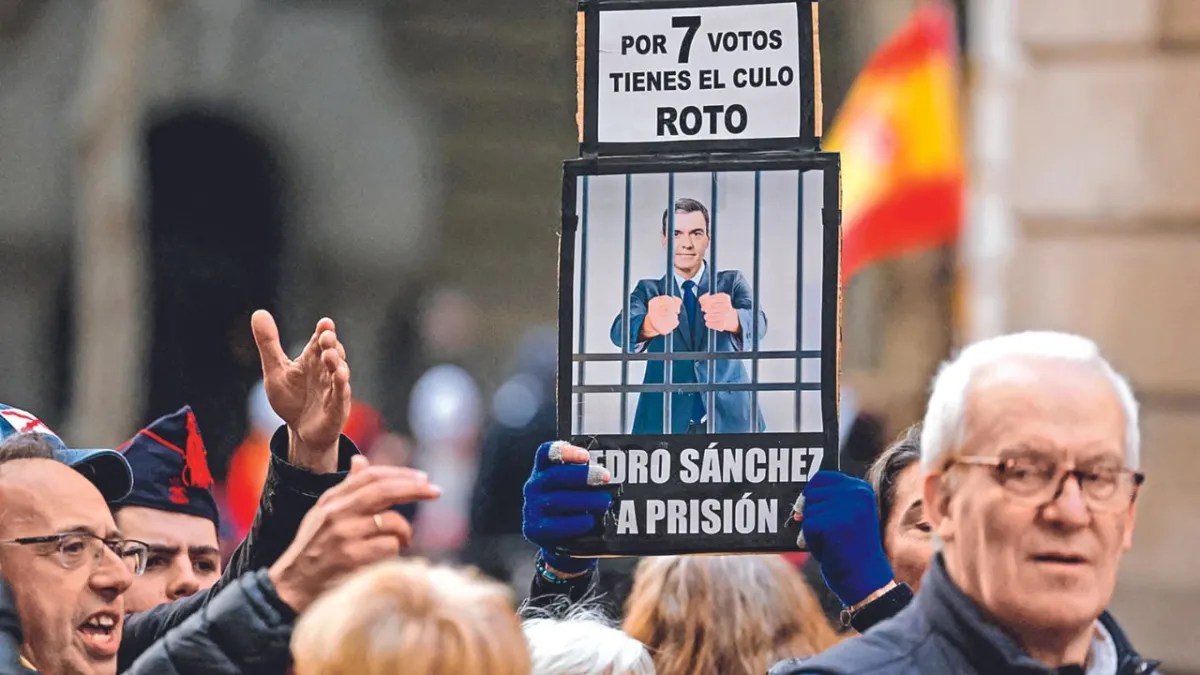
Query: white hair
(583, 642)
(944, 425)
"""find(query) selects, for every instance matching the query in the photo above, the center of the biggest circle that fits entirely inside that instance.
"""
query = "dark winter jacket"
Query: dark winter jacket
(288, 494)
(943, 631)
(245, 628)
(604, 590)
(10, 634)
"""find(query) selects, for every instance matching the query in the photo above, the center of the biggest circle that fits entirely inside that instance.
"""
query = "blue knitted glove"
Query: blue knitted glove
(841, 528)
(560, 504)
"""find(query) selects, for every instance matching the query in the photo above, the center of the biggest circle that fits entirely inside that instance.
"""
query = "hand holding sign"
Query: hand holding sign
(561, 502)
(719, 313)
(840, 526)
(662, 316)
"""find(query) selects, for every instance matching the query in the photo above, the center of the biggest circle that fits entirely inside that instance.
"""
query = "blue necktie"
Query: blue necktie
(695, 329)
(692, 304)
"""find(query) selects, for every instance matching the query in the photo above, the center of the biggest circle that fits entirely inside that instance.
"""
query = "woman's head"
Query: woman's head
(723, 614)
(896, 477)
(407, 616)
(581, 640)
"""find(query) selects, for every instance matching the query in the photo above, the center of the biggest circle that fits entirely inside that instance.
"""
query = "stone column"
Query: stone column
(1085, 217)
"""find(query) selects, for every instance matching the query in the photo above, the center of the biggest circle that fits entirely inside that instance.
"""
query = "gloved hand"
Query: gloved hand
(840, 525)
(560, 504)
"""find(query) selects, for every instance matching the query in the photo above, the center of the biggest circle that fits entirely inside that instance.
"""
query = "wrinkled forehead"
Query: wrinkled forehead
(42, 496)
(1058, 407)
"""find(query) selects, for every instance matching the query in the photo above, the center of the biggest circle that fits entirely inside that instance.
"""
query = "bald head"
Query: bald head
(63, 607)
(42, 492)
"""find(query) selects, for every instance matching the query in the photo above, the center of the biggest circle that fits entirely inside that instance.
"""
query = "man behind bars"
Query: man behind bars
(693, 308)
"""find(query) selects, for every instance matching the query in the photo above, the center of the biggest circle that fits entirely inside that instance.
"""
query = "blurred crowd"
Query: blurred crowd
(985, 539)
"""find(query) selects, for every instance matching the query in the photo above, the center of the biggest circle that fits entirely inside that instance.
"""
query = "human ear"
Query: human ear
(1130, 517)
(937, 505)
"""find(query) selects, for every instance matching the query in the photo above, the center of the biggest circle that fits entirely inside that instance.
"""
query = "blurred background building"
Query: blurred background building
(166, 167)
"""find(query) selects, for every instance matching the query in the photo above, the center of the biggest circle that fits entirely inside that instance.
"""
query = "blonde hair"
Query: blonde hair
(724, 614)
(407, 616)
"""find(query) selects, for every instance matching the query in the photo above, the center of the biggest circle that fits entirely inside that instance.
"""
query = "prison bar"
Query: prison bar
(799, 292)
(710, 418)
(625, 313)
(754, 327)
(583, 257)
(708, 355)
(656, 356)
(669, 283)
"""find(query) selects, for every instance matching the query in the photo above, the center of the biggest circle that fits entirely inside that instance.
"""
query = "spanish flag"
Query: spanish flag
(898, 134)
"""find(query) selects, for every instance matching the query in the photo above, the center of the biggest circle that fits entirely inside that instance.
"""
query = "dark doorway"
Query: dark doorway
(215, 222)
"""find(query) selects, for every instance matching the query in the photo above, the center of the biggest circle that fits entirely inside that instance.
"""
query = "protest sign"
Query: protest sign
(698, 343)
(665, 75)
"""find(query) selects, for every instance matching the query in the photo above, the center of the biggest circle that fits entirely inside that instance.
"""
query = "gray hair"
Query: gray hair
(944, 424)
(583, 641)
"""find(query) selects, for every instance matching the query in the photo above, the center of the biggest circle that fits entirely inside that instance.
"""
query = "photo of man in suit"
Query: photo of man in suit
(694, 306)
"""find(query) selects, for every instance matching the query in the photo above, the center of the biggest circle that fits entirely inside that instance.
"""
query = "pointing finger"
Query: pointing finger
(367, 474)
(380, 495)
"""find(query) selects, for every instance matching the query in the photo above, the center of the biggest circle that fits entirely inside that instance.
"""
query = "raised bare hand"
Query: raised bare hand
(311, 392)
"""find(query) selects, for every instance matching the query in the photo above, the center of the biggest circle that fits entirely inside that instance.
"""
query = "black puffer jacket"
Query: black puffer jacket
(287, 496)
(245, 628)
(10, 634)
(943, 631)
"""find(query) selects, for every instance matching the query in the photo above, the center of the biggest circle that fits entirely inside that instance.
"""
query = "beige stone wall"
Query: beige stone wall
(1086, 217)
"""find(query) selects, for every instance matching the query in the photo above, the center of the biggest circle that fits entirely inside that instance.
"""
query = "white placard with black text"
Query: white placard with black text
(699, 74)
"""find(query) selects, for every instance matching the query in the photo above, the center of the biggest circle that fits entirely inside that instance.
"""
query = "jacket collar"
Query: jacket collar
(1129, 662)
(951, 613)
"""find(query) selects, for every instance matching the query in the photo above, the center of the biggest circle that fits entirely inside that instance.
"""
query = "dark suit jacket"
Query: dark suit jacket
(732, 414)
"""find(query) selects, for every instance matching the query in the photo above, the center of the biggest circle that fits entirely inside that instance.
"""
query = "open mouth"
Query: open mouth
(101, 634)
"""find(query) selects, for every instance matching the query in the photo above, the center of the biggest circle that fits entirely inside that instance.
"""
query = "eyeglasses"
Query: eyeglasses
(1038, 479)
(74, 549)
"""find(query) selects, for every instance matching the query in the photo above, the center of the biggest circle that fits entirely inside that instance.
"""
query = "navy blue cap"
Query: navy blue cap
(106, 469)
(170, 468)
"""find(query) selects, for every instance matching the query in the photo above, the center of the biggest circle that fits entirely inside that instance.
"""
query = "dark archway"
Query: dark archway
(215, 222)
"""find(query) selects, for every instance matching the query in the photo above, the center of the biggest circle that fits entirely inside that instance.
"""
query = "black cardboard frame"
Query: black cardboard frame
(605, 544)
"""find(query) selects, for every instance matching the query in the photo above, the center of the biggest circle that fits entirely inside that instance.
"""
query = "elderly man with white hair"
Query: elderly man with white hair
(1030, 450)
